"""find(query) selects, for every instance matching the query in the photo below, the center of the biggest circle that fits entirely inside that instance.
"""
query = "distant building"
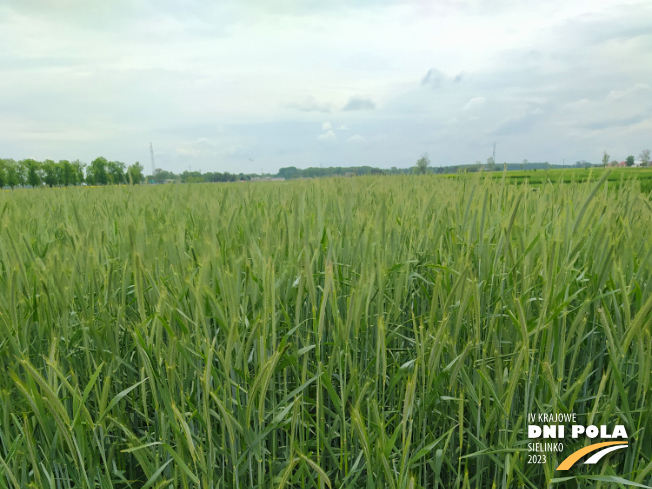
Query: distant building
(267, 179)
(623, 164)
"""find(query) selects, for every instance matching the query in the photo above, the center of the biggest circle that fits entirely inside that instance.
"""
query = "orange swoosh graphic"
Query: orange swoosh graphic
(575, 456)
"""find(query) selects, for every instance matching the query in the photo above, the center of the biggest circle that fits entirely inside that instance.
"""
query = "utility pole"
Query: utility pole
(494, 157)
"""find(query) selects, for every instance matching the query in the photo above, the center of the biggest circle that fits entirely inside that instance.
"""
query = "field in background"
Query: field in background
(570, 175)
(355, 333)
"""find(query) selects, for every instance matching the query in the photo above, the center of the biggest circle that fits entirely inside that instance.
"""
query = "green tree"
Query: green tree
(422, 165)
(605, 159)
(79, 169)
(97, 171)
(58, 173)
(50, 173)
(3, 173)
(116, 171)
(161, 176)
(629, 161)
(645, 157)
(68, 173)
(14, 176)
(135, 173)
(288, 172)
(32, 172)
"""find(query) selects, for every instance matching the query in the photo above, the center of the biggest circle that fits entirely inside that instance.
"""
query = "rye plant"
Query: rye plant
(341, 333)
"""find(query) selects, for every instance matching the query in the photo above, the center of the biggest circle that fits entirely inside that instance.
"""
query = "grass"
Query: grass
(342, 333)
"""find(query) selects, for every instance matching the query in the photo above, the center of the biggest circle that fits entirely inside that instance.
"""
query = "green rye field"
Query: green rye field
(373, 332)
(616, 176)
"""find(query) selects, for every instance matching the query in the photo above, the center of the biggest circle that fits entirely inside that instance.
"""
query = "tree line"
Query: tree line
(161, 176)
(292, 172)
(288, 173)
(64, 173)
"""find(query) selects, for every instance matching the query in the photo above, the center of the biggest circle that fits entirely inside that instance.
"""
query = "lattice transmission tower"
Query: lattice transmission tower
(151, 152)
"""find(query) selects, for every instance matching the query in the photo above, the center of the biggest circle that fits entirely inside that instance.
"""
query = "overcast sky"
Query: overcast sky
(250, 85)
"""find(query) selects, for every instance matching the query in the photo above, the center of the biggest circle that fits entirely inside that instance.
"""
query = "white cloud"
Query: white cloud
(204, 142)
(356, 139)
(578, 104)
(327, 136)
(616, 95)
(326, 126)
(474, 102)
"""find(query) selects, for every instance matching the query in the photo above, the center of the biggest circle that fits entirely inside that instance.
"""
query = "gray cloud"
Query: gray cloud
(359, 103)
(433, 78)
